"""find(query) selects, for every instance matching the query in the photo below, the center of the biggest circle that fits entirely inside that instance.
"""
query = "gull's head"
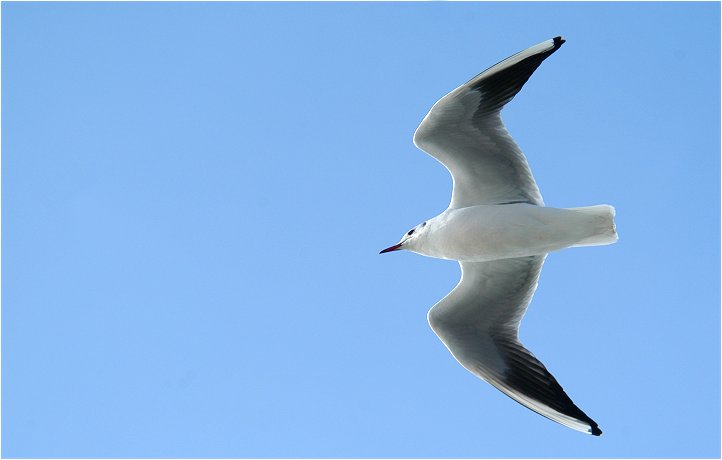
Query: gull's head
(410, 240)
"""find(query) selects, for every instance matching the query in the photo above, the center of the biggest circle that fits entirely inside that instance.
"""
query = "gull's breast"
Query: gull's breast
(490, 232)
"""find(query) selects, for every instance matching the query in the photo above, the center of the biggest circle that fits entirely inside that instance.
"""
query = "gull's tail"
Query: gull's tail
(603, 228)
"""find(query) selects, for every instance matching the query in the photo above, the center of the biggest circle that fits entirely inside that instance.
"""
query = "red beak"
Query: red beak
(395, 247)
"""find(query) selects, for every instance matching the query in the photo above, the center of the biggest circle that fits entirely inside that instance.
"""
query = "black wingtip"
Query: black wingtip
(558, 41)
(596, 431)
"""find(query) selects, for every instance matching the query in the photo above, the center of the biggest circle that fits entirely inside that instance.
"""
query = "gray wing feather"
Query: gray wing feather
(479, 322)
(464, 131)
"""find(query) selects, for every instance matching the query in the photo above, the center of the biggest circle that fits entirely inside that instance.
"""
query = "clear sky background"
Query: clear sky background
(194, 197)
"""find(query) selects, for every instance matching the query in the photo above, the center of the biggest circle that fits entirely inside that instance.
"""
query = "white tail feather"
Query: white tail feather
(604, 230)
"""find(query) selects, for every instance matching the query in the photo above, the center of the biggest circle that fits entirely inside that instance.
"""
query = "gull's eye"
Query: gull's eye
(411, 232)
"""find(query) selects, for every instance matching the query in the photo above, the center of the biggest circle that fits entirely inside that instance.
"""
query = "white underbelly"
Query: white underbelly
(481, 233)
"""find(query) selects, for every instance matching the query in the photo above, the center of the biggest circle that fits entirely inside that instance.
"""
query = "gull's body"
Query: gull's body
(490, 232)
(499, 230)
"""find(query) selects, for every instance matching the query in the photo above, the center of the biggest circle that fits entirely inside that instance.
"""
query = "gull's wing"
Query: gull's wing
(464, 131)
(479, 322)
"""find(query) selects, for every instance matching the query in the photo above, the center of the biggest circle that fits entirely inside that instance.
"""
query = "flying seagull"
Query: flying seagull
(500, 232)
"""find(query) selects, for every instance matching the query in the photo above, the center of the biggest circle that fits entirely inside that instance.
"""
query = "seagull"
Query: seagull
(500, 232)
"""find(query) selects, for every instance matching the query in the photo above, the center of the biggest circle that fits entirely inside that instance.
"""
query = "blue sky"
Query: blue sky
(194, 197)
